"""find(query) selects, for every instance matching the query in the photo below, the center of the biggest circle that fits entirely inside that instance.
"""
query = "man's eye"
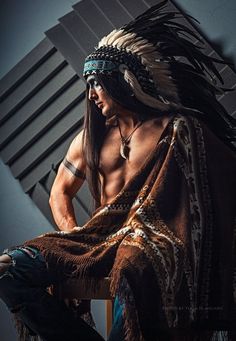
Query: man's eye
(97, 85)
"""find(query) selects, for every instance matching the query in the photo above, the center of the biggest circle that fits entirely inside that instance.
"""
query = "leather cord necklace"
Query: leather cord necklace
(124, 146)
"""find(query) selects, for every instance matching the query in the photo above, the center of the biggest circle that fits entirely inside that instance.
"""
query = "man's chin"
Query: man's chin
(108, 114)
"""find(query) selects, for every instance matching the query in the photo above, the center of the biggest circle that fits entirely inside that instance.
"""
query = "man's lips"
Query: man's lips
(99, 105)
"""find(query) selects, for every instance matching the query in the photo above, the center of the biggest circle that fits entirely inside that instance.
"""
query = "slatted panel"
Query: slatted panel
(49, 160)
(36, 104)
(68, 47)
(133, 11)
(46, 143)
(46, 118)
(40, 197)
(42, 97)
(32, 84)
(80, 32)
(114, 12)
(86, 16)
(25, 67)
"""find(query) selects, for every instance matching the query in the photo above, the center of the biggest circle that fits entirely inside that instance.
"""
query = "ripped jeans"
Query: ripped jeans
(23, 282)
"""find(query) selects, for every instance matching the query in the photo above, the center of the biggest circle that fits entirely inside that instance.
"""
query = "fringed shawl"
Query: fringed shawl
(167, 239)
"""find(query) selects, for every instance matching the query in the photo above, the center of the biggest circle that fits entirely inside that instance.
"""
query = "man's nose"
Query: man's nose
(92, 94)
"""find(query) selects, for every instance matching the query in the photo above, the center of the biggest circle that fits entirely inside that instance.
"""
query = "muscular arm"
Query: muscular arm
(68, 181)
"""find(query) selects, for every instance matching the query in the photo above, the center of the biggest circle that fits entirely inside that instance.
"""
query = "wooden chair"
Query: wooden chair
(72, 289)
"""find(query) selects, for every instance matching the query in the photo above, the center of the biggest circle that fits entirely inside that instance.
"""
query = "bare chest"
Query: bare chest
(117, 171)
(138, 149)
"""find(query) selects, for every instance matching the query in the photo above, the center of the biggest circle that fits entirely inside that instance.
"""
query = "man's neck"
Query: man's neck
(128, 120)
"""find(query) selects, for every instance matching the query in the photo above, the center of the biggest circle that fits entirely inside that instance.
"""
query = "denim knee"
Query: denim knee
(26, 274)
(27, 265)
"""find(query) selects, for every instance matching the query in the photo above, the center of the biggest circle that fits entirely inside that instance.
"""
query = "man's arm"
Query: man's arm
(68, 181)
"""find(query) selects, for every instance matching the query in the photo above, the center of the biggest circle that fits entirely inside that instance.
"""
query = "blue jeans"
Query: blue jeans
(117, 331)
(23, 288)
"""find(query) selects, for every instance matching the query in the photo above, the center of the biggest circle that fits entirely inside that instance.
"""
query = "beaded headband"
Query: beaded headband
(99, 66)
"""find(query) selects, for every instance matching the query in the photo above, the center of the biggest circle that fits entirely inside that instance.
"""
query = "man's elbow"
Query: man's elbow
(51, 200)
(54, 195)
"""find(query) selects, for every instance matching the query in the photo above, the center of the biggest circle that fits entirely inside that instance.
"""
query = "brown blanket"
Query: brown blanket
(167, 240)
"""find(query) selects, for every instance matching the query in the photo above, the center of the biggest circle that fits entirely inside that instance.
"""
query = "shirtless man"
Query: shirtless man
(116, 170)
(152, 126)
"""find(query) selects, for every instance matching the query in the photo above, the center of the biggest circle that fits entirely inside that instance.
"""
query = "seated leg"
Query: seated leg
(23, 281)
(5, 262)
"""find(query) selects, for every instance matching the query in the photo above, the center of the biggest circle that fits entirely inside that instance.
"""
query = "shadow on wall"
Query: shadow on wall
(216, 24)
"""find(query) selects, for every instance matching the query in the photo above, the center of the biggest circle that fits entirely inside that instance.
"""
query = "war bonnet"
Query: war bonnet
(163, 64)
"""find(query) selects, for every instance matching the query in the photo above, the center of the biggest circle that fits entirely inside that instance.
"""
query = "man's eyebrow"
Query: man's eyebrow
(90, 80)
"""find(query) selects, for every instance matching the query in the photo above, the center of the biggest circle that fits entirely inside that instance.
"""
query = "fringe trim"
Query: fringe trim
(221, 336)
(24, 333)
(120, 287)
(71, 270)
(88, 318)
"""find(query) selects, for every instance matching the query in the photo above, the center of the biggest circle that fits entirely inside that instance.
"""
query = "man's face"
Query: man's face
(103, 101)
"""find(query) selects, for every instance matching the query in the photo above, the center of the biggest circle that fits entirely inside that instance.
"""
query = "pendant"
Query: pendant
(124, 150)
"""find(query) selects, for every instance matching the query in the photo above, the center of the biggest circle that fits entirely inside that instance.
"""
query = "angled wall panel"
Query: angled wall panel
(36, 103)
(79, 31)
(101, 26)
(26, 66)
(43, 122)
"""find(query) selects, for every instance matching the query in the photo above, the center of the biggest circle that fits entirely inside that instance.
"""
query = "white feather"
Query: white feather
(140, 94)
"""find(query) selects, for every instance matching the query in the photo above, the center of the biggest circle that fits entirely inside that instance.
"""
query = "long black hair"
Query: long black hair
(196, 98)
(95, 127)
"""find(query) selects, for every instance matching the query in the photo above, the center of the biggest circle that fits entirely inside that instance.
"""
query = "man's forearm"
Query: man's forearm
(63, 212)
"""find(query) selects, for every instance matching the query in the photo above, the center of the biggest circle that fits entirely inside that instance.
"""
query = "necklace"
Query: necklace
(124, 146)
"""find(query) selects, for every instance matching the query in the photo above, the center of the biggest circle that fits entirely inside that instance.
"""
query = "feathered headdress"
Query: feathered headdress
(165, 70)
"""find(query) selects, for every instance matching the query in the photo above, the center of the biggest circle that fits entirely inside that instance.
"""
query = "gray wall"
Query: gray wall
(22, 26)
(22, 23)
(217, 22)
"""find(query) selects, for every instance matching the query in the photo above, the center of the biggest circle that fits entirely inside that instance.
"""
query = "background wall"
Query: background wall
(22, 26)
(217, 22)
(22, 23)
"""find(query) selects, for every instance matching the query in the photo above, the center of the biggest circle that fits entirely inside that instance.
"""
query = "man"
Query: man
(161, 229)
(116, 171)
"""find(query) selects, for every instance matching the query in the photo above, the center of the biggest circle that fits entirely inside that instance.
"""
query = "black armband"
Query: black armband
(75, 171)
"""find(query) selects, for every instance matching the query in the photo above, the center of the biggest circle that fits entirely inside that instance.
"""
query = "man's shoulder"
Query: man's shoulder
(186, 119)
(75, 150)
(193, 132)
(189, 124)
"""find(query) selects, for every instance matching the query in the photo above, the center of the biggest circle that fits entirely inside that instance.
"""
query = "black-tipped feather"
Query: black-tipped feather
(194, 72)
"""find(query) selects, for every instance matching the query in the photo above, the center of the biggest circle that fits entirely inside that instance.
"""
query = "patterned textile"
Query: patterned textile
(167, 239)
